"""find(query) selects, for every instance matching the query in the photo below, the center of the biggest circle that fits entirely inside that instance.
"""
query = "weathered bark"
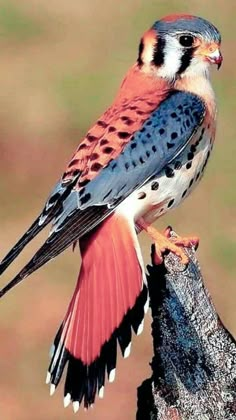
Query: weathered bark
(194, 363)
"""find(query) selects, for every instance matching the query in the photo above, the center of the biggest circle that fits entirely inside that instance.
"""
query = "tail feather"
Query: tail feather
(52, 208)
(79, 374)
(34, 229)
(107, 304)
(55, 244)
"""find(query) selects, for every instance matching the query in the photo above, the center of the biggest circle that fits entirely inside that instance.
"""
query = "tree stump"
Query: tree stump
(194, 363)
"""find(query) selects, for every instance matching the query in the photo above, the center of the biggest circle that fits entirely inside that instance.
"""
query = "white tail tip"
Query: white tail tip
(146, 306)
(101, 392)
(48, 378)
(67, 400)
(140, 328)
(76, 406)
(112, 375)
(127, 351)
(52, 389)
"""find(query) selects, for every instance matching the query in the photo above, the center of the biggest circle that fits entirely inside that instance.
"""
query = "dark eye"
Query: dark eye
(186, 40)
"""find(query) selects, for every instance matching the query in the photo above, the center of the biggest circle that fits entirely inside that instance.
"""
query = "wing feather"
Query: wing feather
(163, 137)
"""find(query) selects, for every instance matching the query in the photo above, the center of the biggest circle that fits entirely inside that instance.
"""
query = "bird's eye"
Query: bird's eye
(186, 40)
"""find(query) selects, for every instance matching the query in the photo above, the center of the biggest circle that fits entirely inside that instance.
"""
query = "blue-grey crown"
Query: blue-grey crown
(193, 24)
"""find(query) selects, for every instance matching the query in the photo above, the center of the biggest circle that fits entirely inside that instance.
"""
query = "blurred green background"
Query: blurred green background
(61, 63)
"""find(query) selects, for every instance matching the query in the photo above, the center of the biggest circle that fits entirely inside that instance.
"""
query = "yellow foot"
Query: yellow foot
(165, 242)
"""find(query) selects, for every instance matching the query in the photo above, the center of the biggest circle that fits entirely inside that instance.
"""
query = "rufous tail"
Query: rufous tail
(108, 302)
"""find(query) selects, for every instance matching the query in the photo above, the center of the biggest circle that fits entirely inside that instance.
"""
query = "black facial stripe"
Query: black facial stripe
(158, 57)
(186, 60)
(141, 47)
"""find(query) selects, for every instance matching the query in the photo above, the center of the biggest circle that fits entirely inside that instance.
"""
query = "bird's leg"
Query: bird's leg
(165, 242)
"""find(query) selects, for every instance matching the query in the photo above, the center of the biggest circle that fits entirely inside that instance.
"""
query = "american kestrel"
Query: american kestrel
(143, 156)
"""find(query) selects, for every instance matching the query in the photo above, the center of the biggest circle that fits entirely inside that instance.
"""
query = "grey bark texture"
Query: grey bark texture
(194, 363)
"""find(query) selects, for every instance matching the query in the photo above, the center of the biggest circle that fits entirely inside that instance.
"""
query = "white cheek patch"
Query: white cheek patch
(196, 68)
(172, 58)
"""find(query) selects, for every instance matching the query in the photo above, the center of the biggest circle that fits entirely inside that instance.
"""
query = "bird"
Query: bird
(143, 157)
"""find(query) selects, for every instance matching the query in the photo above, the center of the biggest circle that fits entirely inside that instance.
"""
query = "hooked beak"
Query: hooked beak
(215, 57)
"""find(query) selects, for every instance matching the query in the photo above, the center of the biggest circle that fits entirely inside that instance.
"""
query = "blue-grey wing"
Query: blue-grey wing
(163, 136)
(161, 139)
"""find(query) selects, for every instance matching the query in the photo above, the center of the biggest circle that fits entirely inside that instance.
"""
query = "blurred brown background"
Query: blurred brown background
(61, 62)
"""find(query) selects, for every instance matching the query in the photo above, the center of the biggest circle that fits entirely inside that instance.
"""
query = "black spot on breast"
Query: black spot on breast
(94, 156)
(187, 112)
(191, 183)
(161, 131)
(180, 107)
(154, 185)
(178, 165)
(149, 122)
(133, 145)
(141, 160)
(108, 150)
(169, 145)
(173, 115)
(104, 141)
(123, 134)
(184, 193)
(169, 172)
(126, 165)
(148, 135)
(174, 135)
(171, 202)
(96, 166)
(141, 195)
(134, 163)
(193, 148)
(147, 153)
(91, 138)
(85, 198)
(142, 129)
(190, 156)
(189, 164)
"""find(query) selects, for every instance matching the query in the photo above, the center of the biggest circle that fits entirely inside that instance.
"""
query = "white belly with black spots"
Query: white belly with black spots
(173, 184)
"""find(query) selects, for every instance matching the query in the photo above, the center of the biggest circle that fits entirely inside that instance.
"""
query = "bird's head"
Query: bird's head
(180, 45)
